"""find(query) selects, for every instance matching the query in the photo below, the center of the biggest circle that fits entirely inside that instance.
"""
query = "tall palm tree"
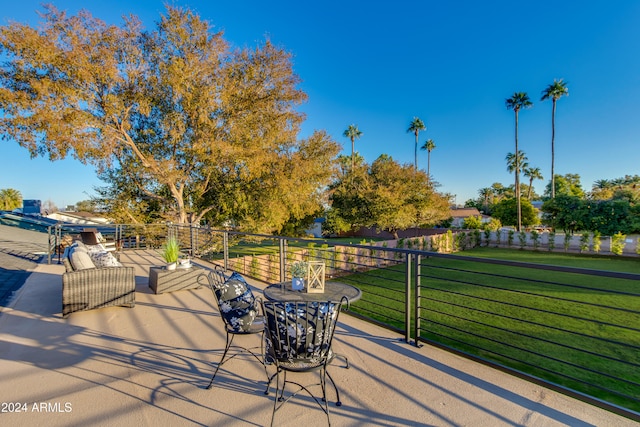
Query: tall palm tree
(518, 101)
(415, 127)
(429, 146)
(554, 91)
(531, 173)
(352, 133)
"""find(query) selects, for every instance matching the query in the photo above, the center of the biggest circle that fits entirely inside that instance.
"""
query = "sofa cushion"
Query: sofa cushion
(80, 260)
(104, 259)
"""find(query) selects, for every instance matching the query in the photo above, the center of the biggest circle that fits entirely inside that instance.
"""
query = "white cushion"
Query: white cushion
(104, 259)
(80, 260)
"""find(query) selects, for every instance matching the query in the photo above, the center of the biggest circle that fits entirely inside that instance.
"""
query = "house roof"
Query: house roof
(464, 212)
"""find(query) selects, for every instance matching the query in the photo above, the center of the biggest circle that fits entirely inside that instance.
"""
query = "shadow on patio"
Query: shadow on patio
(150, 365)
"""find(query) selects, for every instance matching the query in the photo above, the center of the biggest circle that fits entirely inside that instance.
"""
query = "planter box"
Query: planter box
(162, 280)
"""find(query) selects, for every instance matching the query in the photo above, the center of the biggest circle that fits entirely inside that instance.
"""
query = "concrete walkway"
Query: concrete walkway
(150, 365)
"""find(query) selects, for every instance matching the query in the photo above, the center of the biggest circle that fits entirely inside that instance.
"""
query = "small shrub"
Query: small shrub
(567, 241)
(498, 235)
(510, 236)
(312, 250)
(449, 242)
(487, 237)
(461, 240)
(535, 238)
(584, 242)
(522, 238)
(618, 243)
(597, 241)
(552, 241)
(253, 267)
(476, 241)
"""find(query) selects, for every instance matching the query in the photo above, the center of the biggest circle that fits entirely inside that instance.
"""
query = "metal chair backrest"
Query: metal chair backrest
(300, 331)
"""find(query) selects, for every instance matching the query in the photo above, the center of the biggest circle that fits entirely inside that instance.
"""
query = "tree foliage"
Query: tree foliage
(607, 217)
(10, 199)
(385, 195)
(506, 212)
(566, 185)
(173, 114)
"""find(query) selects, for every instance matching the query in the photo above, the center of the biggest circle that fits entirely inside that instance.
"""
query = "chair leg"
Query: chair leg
(335, 387)
(323, 384)
(226, 349)
(342, 356)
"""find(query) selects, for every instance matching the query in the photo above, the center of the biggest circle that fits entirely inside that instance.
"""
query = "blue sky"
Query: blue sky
(378, 64)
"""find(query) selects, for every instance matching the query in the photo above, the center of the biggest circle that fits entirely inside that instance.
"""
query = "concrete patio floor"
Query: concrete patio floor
(150, 365)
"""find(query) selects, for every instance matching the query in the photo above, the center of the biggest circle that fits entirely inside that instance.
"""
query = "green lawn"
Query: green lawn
(581, 328)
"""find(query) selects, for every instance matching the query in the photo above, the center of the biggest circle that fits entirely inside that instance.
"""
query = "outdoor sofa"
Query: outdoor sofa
(94, 279)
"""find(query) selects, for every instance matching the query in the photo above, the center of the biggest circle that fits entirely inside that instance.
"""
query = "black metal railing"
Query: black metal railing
(571, 329)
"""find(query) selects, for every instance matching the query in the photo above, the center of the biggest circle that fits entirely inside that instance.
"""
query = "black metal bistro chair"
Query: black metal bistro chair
(239, 310)
(298, 339)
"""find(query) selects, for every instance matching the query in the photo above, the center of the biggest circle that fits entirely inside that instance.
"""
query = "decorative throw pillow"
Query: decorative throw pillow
(104, 259)
(80, 260)
(237, 303)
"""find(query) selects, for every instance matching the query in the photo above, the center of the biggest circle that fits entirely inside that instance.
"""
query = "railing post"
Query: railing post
(283, 257)
(407, 305)
(49, 248)
(58, 241)
(416, 314)
(193, 231)
(225, 249)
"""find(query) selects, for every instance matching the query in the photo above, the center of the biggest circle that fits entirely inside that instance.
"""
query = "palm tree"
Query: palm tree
(531, 173)
(415, 127)
(554, 91)
(352, 133)
(521, 163)
(519, 100)
(485, 193)
(10, 199)
(429, 146)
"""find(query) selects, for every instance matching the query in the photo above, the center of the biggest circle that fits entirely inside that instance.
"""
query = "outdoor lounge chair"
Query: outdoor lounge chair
(238, 310)
(298, 339)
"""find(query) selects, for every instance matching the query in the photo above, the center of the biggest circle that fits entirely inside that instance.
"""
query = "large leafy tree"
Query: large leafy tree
(385, 195)
(203, 130)
(415, 127)
(506, 212)
(517, 102)
(429, 146)
(554, 91)
(10, 199)
(568, 185)
(353, 133)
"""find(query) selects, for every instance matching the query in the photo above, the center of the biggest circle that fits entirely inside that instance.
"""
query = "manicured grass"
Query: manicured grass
(590, 261)
(572, 329)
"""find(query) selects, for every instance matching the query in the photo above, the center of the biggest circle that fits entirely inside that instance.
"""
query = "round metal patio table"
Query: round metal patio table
(333, 291)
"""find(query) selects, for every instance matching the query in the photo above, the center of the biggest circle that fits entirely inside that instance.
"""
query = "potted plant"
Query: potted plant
(298, 272)
(171, 253)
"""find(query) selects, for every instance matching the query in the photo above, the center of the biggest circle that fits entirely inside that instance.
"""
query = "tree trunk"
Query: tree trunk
(517, 189)
(553, 137)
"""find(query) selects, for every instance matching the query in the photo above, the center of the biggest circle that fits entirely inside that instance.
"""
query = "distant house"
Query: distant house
(459, 215)
(78, 218)
(316, 228)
